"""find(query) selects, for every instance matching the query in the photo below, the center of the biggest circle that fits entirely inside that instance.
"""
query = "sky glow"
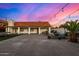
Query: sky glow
(39, 12)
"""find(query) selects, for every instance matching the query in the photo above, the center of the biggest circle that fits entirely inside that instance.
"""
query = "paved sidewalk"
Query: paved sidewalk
(37, 45)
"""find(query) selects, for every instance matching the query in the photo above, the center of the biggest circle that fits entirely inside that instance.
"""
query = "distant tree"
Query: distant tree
(61, 26)
(3, 26)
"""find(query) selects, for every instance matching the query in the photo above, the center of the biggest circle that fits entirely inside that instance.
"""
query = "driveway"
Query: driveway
(37, 45)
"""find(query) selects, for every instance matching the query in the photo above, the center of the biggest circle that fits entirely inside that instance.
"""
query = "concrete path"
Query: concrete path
(37, 45)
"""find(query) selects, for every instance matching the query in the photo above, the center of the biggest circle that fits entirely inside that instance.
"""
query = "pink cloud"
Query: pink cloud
(22, 17)
(67, 11)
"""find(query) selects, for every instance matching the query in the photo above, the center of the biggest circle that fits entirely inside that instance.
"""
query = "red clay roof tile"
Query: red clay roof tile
(32, 24)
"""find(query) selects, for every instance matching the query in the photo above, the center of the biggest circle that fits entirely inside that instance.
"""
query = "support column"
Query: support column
(29, 30)
(39, 30)
(49, 31)
(11, 30)
(8, 30)
(18, 30)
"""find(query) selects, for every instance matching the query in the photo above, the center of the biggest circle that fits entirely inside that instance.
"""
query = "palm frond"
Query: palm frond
(72, 25)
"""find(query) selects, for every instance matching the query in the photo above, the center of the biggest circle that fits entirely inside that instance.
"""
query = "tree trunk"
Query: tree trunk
(73, 37)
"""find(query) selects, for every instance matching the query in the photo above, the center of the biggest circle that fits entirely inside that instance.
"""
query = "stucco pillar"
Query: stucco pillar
(39, 30)
(18, 30)
(11, 30)
(49, 30)
(8, 29)
(29, 30)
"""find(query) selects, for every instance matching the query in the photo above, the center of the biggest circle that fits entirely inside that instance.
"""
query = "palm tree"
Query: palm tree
(73, 27)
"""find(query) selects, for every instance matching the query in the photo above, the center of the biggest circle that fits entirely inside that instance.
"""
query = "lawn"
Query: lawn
(4, 37)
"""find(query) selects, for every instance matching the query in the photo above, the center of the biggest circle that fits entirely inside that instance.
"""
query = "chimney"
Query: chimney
(10, 22)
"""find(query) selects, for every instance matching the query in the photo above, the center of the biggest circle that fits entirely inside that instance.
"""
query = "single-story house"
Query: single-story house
(28, 27)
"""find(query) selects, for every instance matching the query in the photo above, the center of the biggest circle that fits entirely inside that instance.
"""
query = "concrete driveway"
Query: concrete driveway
(37, 45)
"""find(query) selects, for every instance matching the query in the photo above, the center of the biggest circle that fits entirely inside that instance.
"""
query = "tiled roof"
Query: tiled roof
(32, 24)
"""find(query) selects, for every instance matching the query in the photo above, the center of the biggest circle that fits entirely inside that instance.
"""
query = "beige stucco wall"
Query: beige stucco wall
(43, 30)
(34, 31)
(10, 23)
(24, 30)
(9, 30)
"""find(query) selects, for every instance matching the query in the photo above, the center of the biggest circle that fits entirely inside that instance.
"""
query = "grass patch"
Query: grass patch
(4, 37)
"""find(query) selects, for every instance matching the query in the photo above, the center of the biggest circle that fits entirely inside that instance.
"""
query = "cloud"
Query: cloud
(22, 17)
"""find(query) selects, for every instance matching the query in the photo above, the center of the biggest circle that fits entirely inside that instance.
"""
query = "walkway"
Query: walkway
(37, 45)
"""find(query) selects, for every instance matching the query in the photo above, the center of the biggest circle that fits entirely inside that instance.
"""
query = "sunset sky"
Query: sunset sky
(50, 12)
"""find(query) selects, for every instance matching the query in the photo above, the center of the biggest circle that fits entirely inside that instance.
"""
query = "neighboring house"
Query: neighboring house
(28, 27)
